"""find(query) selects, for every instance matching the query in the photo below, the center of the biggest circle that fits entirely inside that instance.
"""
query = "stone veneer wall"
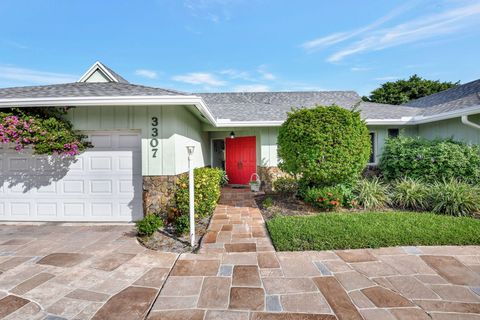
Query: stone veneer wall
(268, 175)
(158, 193)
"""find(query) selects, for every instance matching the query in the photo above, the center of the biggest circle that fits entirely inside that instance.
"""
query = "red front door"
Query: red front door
(241, 159)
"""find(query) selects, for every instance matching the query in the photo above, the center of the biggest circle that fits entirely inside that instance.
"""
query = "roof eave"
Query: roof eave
(112, 101)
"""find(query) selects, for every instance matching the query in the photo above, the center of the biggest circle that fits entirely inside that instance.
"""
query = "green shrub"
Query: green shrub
(207, 191)
(182, 224)
(455, 198)
(430, 160)
(409, 193)
(330, 198)
(372, 194)
(324, 145)
(148, 225)
(267, 203)
(286, 186)
(223, 178)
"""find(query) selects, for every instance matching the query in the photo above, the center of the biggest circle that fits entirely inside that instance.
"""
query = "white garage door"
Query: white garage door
(102, 184)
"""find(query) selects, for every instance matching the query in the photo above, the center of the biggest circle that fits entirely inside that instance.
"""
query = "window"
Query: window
(372, 150)
(393, 133)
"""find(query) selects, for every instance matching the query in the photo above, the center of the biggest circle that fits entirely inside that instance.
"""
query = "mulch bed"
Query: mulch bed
(285, 206)
(166, 240)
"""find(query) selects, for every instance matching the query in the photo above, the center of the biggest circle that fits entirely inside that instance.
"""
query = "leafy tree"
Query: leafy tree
(324, 146)
(402, 91)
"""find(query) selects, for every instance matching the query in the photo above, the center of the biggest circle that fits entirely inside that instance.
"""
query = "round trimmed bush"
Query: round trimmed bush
(324, 146)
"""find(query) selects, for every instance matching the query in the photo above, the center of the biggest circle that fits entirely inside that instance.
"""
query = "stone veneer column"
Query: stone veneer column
(268, 175)
(158, 193)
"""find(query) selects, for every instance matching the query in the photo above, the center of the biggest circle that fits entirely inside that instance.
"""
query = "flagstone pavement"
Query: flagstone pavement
(57, 271)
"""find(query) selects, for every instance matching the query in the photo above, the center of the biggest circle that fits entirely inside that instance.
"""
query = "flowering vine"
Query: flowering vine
(47, 132)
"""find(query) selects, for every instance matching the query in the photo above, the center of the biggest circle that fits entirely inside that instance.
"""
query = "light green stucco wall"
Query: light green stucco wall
(452, 128)
(177, 128)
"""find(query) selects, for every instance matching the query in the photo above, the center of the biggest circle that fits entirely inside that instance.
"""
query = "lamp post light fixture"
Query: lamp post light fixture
(232, 135)
(191, 191)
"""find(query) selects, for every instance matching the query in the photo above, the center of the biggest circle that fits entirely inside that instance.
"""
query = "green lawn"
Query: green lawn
(371, 230)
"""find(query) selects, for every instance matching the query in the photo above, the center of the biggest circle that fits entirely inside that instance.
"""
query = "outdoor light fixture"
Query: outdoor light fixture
(232, 135)
(190, 150)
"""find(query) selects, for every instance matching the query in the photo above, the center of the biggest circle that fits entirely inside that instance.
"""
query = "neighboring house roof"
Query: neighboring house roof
(271, 106)
(454, 99)
(84, 89)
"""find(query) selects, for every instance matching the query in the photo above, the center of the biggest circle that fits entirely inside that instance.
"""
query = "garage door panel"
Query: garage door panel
(46, 209)
(101, 141)
(20, 164)
(103, 183)
(20, 208)
(101, 187)
(73, 186)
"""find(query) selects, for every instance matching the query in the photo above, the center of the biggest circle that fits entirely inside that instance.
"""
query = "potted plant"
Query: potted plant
(255, 182)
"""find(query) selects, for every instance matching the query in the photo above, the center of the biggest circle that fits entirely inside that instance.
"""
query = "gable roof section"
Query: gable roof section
(461, 97)
(105, 73)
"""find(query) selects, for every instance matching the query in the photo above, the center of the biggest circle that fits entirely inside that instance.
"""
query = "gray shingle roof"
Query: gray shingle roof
(84, 89)
(115, 75)
(370, 110)
(271, 106)
(457, 98)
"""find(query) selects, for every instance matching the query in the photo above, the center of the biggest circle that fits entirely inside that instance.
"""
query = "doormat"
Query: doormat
(239, 186)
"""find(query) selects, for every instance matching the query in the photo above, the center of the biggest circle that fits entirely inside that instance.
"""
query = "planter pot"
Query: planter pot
(255, 182)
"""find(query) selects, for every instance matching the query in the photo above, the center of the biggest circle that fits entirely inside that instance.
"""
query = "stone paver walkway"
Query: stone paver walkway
(101, 272)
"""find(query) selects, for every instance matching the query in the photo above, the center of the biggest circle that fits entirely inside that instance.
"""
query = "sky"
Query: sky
(241, 45)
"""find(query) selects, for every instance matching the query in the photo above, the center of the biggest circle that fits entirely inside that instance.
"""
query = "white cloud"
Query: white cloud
(200, 78)
(262, 70)
(415, 30)
(30, 76)
(251, 88)
(236, 74)
(338, 37)
(146, 73)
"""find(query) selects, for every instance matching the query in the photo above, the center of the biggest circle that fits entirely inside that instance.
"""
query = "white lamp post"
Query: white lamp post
(191, 191)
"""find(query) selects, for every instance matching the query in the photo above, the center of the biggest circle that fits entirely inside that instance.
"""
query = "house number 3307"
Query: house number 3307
(154, 140)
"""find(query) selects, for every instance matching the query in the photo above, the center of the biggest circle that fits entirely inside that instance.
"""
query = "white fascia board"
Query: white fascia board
(401, 121)
(223, 123)
(448, 115)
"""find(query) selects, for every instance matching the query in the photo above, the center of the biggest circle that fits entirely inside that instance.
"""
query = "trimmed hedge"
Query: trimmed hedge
(207, 191)
(324, 145)
(430, 160)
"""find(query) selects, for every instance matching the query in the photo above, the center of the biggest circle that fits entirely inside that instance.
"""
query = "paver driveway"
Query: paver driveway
(80, 272)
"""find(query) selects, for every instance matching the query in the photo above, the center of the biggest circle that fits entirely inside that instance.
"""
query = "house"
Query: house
(140, 135)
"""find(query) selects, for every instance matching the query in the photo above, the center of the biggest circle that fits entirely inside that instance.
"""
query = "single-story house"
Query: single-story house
(140, 135)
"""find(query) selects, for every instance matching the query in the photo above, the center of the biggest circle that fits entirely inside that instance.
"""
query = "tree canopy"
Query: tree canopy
(402, 91)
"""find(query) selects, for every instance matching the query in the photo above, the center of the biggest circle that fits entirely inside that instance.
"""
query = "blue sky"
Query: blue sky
(241, 45)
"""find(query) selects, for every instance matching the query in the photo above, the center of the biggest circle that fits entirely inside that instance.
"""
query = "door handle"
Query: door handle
(240, 164)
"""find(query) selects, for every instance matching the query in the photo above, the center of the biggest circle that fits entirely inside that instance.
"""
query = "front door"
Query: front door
(241, 160)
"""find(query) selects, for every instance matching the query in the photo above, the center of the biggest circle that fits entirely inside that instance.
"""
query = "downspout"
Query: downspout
(469, 123)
